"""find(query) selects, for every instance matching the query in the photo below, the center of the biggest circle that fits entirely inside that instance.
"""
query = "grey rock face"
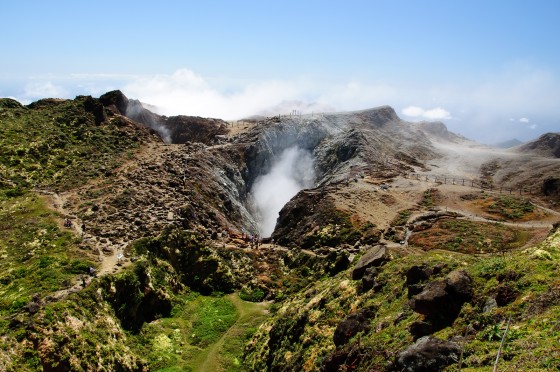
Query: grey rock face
(428, 354)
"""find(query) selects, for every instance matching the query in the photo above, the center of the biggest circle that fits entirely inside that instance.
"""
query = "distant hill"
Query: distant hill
(547, 145)
(437, 131)
(508, 144)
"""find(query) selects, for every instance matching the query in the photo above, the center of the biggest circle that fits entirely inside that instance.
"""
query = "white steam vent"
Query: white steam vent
(291, 172)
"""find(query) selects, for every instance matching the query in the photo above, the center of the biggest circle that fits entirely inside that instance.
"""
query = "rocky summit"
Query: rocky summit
(346, 241)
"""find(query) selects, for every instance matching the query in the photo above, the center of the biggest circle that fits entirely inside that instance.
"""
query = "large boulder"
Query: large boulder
(374, 257)
(441, 302)
(415, 277)
(444, 296)
(459, 285)
(352, 325)
(428, 354)
(433, 299)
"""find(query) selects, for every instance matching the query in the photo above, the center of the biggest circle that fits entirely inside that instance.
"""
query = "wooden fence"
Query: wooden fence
(473, 183)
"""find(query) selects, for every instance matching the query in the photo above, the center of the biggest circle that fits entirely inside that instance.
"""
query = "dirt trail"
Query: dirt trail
(245, 311)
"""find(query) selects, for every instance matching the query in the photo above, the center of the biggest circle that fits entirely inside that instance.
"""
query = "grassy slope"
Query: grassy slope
(203, 334)
(37, 257)
(533, 342)
(60, 144)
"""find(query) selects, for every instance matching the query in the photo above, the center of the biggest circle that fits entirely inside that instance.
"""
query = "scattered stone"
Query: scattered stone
(428, 354)
(441, 302)
(376, 256)
(505, 295)
(368, 280)
(420, 328)
(352, 325)
(417, 274)
(32, 307)
(490, 304)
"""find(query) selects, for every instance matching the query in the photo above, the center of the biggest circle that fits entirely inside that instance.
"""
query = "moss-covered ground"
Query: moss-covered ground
(37, 256)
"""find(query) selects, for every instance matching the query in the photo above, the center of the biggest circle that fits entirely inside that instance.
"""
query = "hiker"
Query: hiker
(91, 271)
(83, 229)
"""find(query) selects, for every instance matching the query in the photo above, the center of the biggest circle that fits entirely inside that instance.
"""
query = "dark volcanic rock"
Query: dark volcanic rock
(441, 301)
(505, 294)
(345, 359)
(376, 256)
(117, 99)
(183, 129)
(551, 186)
(459, 285)
(421, 328)
(443, 296)
(368, 280)
(428, 354)
(433, 299)
(417, 274)
(352, 325)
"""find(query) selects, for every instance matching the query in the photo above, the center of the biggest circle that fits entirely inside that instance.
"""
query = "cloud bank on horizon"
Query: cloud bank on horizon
(481, 111)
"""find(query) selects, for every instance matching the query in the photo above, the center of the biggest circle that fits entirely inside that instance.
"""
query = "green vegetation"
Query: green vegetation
(36, 256)
(470, 237)
(429, 198)
(340, 228)
(59, 142)
(402, 218)
(202, 332)
(511, 208)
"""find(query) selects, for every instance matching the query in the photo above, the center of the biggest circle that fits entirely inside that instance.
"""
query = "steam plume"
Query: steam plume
(290, 173)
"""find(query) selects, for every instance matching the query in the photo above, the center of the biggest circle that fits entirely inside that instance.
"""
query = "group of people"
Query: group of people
(253, 240)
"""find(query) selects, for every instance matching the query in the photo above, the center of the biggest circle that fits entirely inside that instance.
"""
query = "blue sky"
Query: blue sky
(490, 70)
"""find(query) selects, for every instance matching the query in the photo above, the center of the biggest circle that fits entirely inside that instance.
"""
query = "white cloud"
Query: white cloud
(44, 90)
(521, 91)
(187, 93)
(524, 120)
(413, 111)
(532, 126)
(437, 113)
